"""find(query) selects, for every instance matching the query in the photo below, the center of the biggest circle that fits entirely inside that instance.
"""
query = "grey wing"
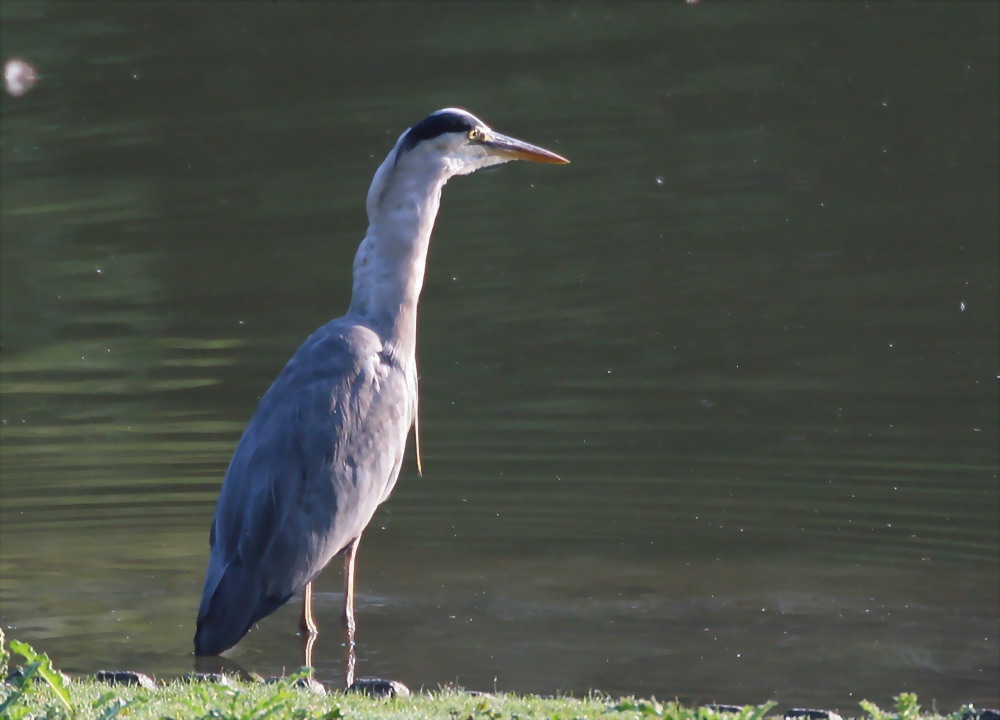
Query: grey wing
(322, 450)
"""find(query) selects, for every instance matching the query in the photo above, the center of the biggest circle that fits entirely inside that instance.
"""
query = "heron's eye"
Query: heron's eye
(476, 135)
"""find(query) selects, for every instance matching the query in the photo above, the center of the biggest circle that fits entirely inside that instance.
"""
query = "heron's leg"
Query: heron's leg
(308, 640)
(307, 623)
(347, 619)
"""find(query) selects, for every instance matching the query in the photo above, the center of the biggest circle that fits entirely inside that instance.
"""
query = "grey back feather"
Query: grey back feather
(322, 451)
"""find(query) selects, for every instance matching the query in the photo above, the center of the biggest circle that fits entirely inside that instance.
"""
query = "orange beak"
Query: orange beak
(520, 150)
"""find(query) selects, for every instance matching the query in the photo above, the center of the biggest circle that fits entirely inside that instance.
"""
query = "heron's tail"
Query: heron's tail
(229, 608)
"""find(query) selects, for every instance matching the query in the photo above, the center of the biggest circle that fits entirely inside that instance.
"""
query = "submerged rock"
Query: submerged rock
(214, 678)
(125, 677)
(983, 714)
(16, 677)
(809, 714)
(306, 683)
(378, 687)
(452, 687)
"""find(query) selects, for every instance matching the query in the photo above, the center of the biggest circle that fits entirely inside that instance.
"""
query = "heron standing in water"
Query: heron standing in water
(325, 445)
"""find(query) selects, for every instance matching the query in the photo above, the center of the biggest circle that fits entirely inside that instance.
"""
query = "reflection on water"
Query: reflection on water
(710, 415)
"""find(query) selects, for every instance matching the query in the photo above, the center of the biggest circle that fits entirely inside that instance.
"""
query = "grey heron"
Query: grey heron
(324, 447)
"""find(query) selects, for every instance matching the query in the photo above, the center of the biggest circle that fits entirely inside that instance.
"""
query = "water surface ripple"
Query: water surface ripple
(710, 413)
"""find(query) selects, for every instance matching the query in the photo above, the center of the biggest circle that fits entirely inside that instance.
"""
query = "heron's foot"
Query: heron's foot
(350, 660)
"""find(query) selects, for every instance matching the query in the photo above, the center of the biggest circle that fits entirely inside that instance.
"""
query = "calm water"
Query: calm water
(710, 413)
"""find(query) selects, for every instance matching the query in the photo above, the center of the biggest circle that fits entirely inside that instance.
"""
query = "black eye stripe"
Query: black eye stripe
(434, 125)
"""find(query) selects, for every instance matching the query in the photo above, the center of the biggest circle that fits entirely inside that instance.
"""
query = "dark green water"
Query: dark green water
(709, 413)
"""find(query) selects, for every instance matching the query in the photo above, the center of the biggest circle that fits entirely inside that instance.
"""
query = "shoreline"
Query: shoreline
(35, 688)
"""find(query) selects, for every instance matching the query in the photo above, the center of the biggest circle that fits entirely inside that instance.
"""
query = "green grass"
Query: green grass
(43, 692)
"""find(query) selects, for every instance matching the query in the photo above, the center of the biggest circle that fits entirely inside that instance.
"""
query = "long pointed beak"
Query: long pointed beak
(520, 150)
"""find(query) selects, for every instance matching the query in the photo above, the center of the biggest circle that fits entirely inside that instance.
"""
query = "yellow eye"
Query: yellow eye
(476, 135)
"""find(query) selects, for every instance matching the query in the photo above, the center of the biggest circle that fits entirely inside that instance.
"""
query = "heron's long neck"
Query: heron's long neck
(389, 265)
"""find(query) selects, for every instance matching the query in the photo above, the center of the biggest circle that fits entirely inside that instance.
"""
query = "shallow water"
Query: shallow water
(709, 413)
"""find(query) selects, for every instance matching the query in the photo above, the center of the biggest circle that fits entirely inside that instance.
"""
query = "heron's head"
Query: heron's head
(465, 143)
(451, 142)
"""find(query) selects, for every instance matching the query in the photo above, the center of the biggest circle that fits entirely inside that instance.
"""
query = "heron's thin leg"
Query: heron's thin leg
(307, 623)
(307, 649)
(416, 434)
(347, 619)
(308, 626)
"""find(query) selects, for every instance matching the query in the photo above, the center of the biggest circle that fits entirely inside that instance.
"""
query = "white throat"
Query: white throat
(389, 266)
(402, 205)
